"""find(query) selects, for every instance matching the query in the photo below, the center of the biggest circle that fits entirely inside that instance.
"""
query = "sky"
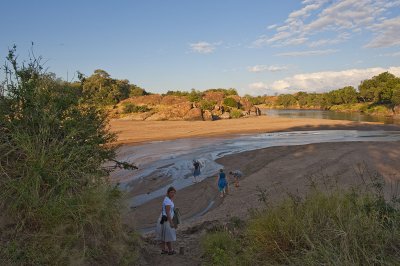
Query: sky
(259, 47)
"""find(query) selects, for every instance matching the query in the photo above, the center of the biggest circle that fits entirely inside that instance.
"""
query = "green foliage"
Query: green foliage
(136, 91)
(230, 102)
(286, 100)
(333, 228)
(177, 93)
(236, 113)
(255, 100)
(380, 88)
(396, 95)
(101, 89)
(195, 96)
(56, 201)
(128, 108)
(227, 92)
(220, 248)
(207, 105)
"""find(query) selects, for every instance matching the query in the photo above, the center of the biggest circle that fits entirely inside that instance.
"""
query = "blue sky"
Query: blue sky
(256, 46)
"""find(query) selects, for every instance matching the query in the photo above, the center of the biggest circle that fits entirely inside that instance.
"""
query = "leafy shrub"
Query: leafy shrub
(230, 102)
(236, 113)
(132, 108)
(207, 105)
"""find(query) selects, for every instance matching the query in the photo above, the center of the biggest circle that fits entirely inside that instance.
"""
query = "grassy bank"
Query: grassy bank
(336, 228)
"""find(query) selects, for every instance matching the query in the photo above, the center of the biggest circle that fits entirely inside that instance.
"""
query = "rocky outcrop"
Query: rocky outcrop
(215, 96)
(171, 107)
(150, 100)
(194, 114)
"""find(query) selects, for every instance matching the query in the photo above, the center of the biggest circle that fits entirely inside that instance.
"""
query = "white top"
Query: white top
(168, 202)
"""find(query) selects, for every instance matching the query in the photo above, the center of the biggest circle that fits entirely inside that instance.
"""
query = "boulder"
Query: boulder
(225, 115)
(214, 96)
(194, 114)
(208, 116)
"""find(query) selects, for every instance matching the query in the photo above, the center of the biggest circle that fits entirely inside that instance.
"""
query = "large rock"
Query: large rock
(225, 115)
(178, 111)
(246, 104)
(214, 96)
(194, 114)
(208, 116)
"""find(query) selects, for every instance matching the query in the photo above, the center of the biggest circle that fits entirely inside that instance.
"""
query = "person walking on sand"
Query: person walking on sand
(196, 170)
(222, 183)
(237, 174)
(166, 229)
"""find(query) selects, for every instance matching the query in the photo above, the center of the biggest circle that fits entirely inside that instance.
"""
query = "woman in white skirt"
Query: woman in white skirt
(166, 229)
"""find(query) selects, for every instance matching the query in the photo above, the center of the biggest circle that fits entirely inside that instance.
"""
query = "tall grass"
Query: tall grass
(336, 228)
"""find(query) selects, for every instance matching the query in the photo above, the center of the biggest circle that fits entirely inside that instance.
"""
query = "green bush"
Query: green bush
(55, 197)
(220, 248)
(236, 113)
(207, 105)
(132, 108)
(230, 102)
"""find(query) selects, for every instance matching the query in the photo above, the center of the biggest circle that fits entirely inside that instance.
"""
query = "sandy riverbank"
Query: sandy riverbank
(130, 132)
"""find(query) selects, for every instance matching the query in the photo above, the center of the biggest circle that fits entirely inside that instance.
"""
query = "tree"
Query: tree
(286, 100)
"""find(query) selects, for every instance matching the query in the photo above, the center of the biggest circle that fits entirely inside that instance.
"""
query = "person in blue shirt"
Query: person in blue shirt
(222, 183)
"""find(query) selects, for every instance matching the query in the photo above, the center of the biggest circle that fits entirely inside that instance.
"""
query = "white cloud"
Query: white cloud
(262, 68)
(320, 81)
(337, 18)
(203, 47)
(308, 53)
(386, 34)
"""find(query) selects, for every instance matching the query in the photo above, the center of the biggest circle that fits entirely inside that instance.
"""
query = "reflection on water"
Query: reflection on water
(173, 159)
(322, 114)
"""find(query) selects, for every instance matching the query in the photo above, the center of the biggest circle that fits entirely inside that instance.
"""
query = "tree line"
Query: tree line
(381, 89)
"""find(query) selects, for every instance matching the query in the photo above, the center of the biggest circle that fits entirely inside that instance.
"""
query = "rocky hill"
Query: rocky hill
(211, 106)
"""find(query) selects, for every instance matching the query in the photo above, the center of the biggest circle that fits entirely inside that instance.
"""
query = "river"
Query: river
(323, 114)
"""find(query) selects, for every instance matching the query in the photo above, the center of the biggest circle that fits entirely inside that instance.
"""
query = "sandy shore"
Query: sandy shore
(130, 132)
(279, 170)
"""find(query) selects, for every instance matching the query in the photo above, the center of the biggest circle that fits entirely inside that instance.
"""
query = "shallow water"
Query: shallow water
(173, 159)
(324, 114)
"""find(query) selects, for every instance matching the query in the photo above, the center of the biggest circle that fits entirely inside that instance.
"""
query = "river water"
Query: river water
(173, 159)
(323, 114)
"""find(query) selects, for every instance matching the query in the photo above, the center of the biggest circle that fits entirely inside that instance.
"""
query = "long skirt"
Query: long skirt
(164, 232)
